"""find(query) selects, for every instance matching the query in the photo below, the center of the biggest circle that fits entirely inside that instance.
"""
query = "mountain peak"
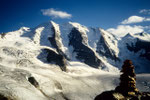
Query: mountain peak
(52, 22)
(24, 28)
(128, 35)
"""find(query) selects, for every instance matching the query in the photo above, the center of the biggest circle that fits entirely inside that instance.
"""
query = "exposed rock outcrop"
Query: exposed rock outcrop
(110, 95)
(2, 97)
(33, 81)
(56, 58)
(84, 53)
(2, 35)
(56, 40)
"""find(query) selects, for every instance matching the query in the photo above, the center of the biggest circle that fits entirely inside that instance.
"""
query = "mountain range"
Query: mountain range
(59, 43)
(32, 61)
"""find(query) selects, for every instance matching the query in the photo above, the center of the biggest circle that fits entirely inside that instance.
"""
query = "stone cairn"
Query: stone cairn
(127, 88)
(127, 84)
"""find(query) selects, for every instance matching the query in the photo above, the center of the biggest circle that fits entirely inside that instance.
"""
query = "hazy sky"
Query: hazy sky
(114, 15)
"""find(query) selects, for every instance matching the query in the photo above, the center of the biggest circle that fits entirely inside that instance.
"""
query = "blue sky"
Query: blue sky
(107, 14)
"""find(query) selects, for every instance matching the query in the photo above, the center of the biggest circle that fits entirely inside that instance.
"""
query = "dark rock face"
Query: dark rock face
(33, 81)
(103, 49)
(110, 95)
(140, 45)
(84, 53)
(58, 59)
(113, 95)
(2, 35)
(2, 97)
(145, 96)
(54, 40)
(50, 56)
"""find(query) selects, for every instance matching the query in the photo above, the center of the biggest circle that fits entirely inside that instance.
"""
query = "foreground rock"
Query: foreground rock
(113, 95)
(127, 88)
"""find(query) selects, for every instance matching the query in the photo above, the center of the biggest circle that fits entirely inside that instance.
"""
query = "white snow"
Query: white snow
(111, 41)
(93, 37)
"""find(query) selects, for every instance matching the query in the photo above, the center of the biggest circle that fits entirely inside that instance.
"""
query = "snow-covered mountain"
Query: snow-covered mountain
(31, 59)
(59, 43)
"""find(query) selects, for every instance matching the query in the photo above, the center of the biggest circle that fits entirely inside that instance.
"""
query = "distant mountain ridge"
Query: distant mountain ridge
(60, 43)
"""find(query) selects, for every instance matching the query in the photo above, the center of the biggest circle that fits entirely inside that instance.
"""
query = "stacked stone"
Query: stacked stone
(127, 85)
